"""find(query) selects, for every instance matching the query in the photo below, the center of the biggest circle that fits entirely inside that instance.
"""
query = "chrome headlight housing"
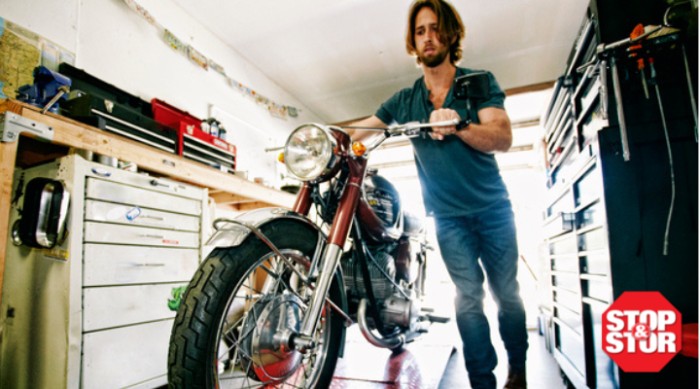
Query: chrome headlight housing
(310, 151)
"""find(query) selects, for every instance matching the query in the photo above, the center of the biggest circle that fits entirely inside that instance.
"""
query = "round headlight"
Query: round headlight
(309, 151)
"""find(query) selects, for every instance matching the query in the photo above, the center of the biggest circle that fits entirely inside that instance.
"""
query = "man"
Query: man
(463, 189)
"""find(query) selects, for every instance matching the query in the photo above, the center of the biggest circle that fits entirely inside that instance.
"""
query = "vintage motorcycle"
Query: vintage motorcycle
(269, 306)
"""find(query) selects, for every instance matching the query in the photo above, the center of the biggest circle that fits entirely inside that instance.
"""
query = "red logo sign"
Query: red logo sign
(641, 332)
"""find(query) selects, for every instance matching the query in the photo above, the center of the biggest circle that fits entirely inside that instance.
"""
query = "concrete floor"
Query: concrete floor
(542, 369)
(420, 365)
(432, 362)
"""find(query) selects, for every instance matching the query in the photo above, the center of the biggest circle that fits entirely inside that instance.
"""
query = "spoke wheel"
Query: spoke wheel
(239, 311)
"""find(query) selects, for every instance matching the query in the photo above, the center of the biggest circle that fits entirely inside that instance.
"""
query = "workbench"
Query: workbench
(66, 135)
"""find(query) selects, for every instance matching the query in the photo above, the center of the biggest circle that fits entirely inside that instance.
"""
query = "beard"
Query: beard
(435, 59)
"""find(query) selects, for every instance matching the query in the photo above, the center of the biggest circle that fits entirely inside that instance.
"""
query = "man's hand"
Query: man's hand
(439, 115)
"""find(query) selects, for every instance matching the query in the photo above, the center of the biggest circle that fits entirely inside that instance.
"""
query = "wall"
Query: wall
(116, 44)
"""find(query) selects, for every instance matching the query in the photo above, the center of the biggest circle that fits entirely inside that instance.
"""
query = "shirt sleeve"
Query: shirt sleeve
(496, 97)
(390, 109)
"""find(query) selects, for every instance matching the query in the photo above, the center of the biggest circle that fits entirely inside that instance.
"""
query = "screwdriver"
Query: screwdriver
(635, 53)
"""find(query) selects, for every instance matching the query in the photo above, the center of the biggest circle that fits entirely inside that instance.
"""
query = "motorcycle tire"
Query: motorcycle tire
(224, 308)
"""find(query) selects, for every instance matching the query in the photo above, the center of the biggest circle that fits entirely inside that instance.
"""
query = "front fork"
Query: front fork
(340, 229)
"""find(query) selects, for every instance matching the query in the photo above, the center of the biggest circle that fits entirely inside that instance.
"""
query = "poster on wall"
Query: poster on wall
(21, 51)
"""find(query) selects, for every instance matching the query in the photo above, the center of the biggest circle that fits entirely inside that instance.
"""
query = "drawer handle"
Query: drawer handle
(175, 188)
(149, 265)
(154, 236)
(155, 182)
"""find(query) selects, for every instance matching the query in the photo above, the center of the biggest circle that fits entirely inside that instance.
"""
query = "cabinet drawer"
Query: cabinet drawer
(116, 306)
(592, 240)
(596, 263)
(125, 356)
(564, 245)
(570, 318)
(560, 223)
(118, 193)
(135, 215)
(567, 263)
(588, 187)
(116, 265)
(162, 185)
(568, 299)
(571, 345)
(591, 215)
(598, 288)
(114, 233)
(563, 204)
(569, 281)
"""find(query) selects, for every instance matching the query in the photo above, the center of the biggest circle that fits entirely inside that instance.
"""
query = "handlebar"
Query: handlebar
(412, 129)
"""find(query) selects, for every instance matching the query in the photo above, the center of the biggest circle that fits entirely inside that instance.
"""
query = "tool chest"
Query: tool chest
(93, 312)
(609, 193)
(193, 142)
(102, 105)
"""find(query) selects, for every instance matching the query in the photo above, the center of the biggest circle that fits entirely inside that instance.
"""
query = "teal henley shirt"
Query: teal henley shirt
(456, 179)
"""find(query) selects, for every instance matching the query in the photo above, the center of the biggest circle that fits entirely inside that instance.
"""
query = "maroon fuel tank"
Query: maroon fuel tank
(379, 211)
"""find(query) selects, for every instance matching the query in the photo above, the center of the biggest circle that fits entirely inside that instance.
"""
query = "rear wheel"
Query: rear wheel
(227, 331)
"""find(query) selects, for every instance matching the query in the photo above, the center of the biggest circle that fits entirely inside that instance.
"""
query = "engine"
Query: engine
(391, 259)
(383, 267)
(395, 308)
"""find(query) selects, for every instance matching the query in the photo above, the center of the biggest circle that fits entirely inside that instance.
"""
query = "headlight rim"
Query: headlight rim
(330, 164)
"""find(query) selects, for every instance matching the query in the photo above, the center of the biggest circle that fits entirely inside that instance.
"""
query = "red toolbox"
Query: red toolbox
(193, 143)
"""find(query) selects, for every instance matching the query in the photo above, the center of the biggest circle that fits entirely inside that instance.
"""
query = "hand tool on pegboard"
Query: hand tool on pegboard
(635, 52)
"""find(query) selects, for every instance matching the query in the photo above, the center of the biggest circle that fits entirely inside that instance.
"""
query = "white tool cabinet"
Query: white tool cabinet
(93, 313)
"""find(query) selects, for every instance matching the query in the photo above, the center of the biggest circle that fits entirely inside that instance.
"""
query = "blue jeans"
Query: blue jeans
(488, 236)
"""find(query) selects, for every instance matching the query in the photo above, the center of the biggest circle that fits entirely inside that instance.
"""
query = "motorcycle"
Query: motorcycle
(270, 305)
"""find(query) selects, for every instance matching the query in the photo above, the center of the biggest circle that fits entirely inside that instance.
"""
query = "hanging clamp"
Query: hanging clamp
(13, 124)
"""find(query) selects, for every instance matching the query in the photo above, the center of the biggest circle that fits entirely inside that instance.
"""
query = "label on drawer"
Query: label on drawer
(133, 213)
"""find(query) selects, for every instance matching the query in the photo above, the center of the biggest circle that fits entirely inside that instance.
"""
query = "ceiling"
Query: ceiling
(342, 58)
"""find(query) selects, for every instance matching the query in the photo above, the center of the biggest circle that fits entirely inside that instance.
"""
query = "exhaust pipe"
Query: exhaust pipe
(391, 343)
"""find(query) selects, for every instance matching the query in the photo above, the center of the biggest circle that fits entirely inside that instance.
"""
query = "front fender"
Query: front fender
(231, 233)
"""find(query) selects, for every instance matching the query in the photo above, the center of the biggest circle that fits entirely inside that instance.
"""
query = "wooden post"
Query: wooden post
(8, 154)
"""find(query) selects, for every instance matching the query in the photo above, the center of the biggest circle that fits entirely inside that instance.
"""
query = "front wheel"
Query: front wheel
(239, 304)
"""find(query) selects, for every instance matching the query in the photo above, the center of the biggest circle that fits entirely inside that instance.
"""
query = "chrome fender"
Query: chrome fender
(232, 232)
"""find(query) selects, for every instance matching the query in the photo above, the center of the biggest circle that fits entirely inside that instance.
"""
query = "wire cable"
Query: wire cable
(673, 176)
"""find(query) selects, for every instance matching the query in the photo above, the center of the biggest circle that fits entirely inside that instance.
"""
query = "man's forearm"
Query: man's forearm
(488, 138)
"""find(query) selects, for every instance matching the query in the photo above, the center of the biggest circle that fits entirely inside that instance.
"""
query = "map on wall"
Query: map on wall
(20, 52)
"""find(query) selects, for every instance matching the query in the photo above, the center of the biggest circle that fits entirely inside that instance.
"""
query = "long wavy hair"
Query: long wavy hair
(450, 27)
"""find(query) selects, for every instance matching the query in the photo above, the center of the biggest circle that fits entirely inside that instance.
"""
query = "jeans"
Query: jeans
(488, 236)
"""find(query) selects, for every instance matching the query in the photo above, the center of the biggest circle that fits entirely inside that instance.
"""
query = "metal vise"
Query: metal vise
(48, 88)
